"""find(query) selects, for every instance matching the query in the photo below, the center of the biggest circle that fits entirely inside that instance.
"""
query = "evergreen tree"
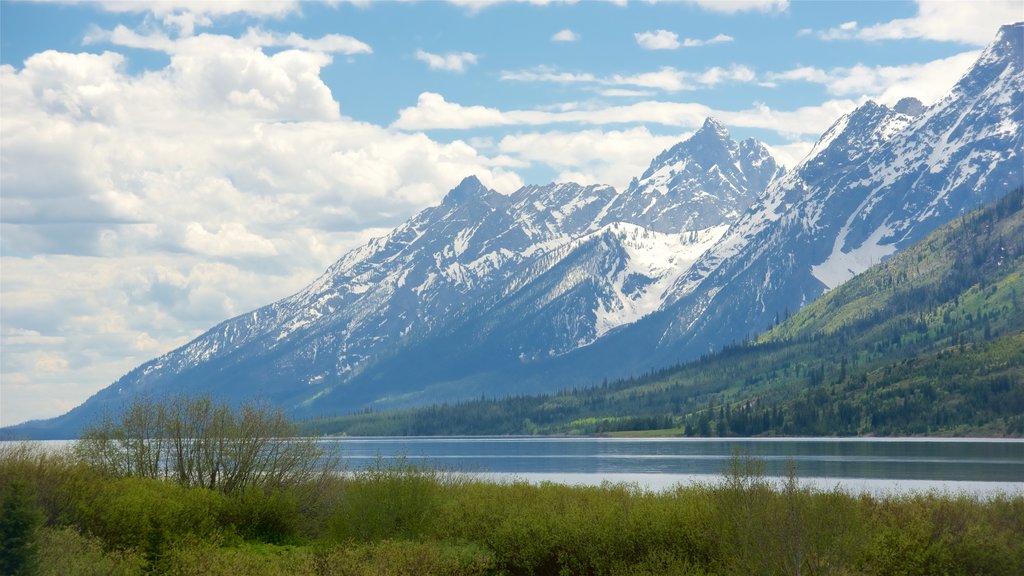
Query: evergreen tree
(19, 523)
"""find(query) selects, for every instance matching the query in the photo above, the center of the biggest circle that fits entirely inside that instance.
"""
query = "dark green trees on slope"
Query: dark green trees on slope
(930, 341)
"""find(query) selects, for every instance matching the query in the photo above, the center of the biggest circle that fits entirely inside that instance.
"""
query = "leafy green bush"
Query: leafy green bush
(19, 524)
(386, 501)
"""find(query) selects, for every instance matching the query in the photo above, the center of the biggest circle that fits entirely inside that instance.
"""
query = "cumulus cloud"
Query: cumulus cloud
(433, 111)
(178, 197)
(566, 35)
(590, 156)
(450, 62)
(973, 23)
(657, 40)
(928, 82)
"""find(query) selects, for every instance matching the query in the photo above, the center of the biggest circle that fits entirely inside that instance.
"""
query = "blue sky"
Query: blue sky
(167, 165)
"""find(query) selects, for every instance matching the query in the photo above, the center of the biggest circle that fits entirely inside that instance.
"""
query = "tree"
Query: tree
(19, 522)
(199, 442)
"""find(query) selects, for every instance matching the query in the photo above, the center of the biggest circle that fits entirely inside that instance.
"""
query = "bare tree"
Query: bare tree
(199, 442)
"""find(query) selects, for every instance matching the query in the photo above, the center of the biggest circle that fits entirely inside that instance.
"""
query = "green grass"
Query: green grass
(407, 520)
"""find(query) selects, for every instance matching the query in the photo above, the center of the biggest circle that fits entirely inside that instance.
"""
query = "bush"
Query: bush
(19, 522)
(386, 501)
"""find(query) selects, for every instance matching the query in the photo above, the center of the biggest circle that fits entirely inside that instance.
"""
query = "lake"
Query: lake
(876, 465)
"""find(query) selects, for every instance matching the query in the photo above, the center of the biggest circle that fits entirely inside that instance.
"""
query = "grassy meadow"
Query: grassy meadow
(64, 515)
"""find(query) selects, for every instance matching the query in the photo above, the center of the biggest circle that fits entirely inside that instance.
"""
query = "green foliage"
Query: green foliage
(411, 520)
(66, 552)
(19, 523)
(386, 501)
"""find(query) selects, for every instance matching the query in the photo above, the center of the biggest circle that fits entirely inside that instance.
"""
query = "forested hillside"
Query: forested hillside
(930, 341)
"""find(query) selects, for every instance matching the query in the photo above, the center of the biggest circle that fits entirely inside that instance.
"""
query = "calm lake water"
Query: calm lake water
(878, 466)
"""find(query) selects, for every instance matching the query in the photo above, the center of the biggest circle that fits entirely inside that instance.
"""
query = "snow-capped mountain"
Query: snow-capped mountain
(878, 180)
(480, 282)
(698, 183)
(563, 284)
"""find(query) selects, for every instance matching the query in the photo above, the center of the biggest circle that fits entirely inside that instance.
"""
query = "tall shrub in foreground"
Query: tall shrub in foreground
(202, 443)
(19, 524)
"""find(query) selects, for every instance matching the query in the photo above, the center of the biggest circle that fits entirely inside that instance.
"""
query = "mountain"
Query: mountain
(927, 342)
(561, 285)
(877, 181)
(701, 182)
(468, 296)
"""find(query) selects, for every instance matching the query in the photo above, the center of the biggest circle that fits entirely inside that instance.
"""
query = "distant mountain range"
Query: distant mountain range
(563, 285)
(929, 342)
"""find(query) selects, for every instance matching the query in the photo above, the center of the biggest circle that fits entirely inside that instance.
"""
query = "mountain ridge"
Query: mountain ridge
(563, 284)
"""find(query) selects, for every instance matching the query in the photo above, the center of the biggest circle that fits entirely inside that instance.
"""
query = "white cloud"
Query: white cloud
(734, 6)
(657, 40)
(625, 93)
(716, 39)
(792, 153)
(722, 6)
(433, 112)
(974, 22)
(667, 78)
(887, 84)
(474, 6)
(254, 38)
(186, 15)
(179, 197)
(232, 239)
(331, 43)
(591, 156)
(451, 62)
(566, 35)
(547, 74)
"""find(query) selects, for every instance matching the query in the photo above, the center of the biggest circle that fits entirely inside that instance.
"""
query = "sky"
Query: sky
(165, 166)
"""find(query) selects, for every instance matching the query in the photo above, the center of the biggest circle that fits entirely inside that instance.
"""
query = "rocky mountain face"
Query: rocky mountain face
(702, 182)
(877, 181)
(468, 293)
(563, 284)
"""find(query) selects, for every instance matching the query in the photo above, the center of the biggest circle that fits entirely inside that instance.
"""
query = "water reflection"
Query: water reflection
(933, 461)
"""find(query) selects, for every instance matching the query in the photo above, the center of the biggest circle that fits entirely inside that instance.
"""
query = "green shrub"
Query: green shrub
(124, 512)
(66, 552)
(261, 514)
(19, 524)
(386, 501)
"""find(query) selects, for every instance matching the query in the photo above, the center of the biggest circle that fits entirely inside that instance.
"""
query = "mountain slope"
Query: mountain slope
(468, 295)
(878, 180)
(928, 342)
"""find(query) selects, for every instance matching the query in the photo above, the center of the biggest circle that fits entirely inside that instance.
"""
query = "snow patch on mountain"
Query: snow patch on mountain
(655, 262)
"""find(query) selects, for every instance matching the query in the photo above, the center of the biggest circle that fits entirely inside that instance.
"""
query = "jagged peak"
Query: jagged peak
(1008, 43)
(470, 187)
(910, 106)
(713, 125)
(712, 134)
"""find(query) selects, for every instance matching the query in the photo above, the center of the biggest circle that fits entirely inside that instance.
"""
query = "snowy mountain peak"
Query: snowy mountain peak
(714, 126)
(469, 188)
(910, 106)
(704, 181)
(1008, 45)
